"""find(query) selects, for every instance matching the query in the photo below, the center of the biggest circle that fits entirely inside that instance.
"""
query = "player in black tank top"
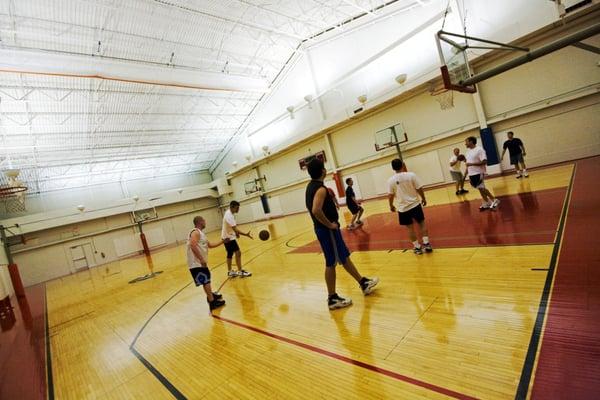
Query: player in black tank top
(329, 208)
(323, 212)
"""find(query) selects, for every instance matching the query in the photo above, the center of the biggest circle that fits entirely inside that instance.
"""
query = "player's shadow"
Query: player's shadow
(358, 341)
(248, 306)
(435, 304)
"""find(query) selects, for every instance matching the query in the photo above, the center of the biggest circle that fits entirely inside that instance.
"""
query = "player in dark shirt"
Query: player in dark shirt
(324, 215)
(516, 151)
(353, 205)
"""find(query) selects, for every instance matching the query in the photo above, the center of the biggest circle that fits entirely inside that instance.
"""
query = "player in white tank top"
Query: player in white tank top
(197, 258)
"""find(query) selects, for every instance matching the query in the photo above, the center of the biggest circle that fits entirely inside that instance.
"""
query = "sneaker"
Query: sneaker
(495, 203)
(216, 304)
(369, 285)
(463, 191)
(334, 301)
(418, 251)
(351, 227)
(519, 176)
(526, 175)
(217, 296)
(457, 192)
(232, 274)
(427, 247)
(244, 274)
(359, 222)
(484, 206)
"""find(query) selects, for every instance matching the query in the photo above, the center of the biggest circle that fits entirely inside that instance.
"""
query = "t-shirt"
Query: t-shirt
(455, 167)
(476, 155)
(514, 146)
(329, 208)
(350, 197)
(404, 187)
(202, 245)
(227, 231)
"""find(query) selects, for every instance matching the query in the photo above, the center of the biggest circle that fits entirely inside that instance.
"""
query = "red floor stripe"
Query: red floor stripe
(383, 371)
(569, 356)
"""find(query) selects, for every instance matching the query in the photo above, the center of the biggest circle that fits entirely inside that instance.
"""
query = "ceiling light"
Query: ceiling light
(362, 99)
(400, 79)
(291, 111)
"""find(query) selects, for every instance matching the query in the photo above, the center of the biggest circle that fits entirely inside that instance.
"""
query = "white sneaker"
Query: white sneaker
(525, 174)
(495, 203)
(369, 285)
(244, 274)
(351, 227)
(336, 301)
(484, 206)
(232, 274)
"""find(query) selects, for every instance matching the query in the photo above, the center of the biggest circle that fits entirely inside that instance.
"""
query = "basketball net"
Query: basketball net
(445, 98)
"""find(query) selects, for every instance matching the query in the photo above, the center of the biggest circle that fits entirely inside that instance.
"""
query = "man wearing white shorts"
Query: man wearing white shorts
(476, 163)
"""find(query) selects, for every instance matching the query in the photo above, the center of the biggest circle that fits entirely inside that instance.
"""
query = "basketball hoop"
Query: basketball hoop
(445, 98)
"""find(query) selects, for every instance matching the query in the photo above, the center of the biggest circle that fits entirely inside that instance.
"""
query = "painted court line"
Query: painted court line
(339, 357)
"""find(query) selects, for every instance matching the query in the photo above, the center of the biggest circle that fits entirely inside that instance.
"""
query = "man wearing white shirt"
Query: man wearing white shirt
(456, 172)
(230, 233)
(476, 163)
(406, 195)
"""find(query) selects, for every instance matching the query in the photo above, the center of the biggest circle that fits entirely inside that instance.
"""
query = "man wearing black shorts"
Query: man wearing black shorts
(325, 218)
(230, 233)
(404, 190)
(516, 152)
(476, 170)
(197, 259)
(354, 207)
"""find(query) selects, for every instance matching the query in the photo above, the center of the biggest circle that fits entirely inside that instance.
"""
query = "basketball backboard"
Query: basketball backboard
(454, 62)
(144, 214)
(251, 187)
(392, 136)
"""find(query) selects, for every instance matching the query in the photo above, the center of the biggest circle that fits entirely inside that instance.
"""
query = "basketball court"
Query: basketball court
(110, 152)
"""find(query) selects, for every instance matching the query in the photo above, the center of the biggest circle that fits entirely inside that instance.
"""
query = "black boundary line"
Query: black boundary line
(49, 376)
(161, 378)
(540, 269)
(529, 363)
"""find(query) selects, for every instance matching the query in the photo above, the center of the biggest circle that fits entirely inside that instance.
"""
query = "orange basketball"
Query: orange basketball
(264, 235)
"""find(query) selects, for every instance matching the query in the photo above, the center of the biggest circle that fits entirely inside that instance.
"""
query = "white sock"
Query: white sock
(524, 171)
(425, 239)
(416, 244)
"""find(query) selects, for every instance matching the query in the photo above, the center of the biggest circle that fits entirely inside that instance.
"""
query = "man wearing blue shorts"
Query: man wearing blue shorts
(323, 212)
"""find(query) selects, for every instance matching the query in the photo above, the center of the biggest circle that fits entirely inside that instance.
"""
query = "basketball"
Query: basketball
(264, 235)
(461, 158)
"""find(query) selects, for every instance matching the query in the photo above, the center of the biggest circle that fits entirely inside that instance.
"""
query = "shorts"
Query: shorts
(231, 247)
(477, 181)
(415, 213)
(333, 246)
(516, 158)
(354, 208)
(201, 275)
(457, 176)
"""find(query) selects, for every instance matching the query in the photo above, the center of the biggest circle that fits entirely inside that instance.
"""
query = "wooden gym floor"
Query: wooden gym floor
(507, 306)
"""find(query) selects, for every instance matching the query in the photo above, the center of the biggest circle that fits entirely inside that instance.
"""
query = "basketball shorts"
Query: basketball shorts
(516, 158)
(201, 275)
(477, 181)
(457, 176)
(415, 213)
(353, 207)
(231, 247)
(333, 246)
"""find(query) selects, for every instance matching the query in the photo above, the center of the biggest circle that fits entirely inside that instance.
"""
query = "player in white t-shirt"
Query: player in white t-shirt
(197, 258)
(456, 172)
(406, 195)
(230, 233)
(476, 163)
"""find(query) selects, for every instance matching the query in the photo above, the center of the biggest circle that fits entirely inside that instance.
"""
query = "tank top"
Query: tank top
(202, 245)
(329, 208)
